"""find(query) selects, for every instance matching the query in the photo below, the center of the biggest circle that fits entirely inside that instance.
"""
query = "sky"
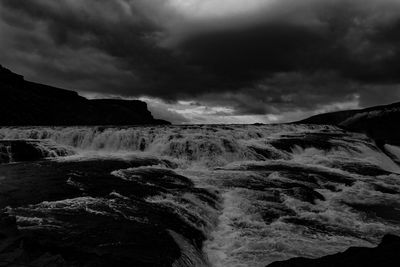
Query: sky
(211, 61)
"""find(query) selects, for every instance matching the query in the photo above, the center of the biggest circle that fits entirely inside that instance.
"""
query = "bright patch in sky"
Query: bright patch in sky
(192, 112)
(217, 8)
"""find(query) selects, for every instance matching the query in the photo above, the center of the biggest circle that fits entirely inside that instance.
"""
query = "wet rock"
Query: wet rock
(386, 254)
(24, 150)
(304, 194)
(119, 221)
(268, 153)
(387, 211)
(319, 141)
(361, 168)
(317, 176)
(14, 250)
(385, 189)
(271, 213)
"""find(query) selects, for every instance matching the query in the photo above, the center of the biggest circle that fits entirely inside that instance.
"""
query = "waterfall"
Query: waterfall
(211, 145)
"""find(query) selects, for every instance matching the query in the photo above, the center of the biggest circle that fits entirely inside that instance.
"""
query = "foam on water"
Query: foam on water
(192, 207)
(347, 151)
(188, 207)
(208, 145)
(244, 238)
(41, 215)
(259, 193)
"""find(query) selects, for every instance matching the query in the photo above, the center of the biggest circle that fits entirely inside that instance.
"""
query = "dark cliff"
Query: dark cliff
(28, 103)
(381, 123)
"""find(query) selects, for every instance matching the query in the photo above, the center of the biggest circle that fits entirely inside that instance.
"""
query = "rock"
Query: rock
(380, 122)
(384, 255)
(34, 104)
(48, 260)
(304, 194)
(100, 217)
(30, 150)
(9, 234)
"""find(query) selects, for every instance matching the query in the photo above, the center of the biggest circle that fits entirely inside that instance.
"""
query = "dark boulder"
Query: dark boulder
(386, 254)
(29, 150)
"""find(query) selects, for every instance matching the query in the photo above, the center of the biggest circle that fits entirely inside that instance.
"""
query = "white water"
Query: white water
(205, 145)
(217, 157)
(243, 238)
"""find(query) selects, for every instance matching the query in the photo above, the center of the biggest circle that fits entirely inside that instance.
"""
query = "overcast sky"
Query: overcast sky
(211, 61)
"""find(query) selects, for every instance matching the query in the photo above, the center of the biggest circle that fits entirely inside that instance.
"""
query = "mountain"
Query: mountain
(28, 103)
(381, 123)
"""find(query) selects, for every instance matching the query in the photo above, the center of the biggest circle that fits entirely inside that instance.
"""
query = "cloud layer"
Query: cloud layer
(263, 57)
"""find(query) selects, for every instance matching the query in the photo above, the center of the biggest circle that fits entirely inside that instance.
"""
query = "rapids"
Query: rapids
(244, 195)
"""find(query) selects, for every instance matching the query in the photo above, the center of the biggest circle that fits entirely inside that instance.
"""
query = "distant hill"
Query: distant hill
(24, 103)
(381, 123)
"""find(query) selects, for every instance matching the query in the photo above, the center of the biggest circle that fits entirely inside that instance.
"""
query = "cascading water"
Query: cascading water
(242, 195)
(217, 145)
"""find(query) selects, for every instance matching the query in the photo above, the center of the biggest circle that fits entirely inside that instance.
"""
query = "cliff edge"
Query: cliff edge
(25, 103)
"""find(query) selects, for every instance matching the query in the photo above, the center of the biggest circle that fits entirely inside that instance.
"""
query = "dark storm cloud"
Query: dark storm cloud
(285, 92)
(116, 34)
(288, 55)
(357, 39)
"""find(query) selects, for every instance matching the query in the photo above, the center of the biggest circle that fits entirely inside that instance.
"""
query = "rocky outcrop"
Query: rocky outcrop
(30, 150)
(13, 248)
(28, 103)
(384, 255)
(381, 123)
(86, 214)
